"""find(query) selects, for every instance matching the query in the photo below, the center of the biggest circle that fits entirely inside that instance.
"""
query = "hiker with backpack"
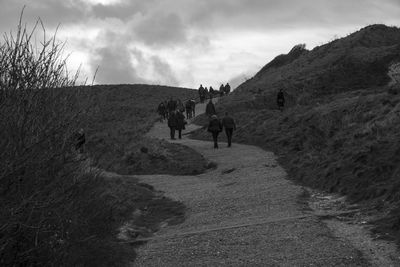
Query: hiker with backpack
(215, 127)
(228, 123)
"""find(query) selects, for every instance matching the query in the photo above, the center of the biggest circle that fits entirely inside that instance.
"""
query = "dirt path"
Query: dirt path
(243, 213)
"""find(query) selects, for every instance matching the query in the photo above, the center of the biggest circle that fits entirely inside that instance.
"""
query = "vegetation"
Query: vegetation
(54, 209)
(120, 118)
(340, 130)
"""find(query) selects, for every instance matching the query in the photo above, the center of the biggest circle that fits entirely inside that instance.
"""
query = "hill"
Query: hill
(341, 126)
(120, 116)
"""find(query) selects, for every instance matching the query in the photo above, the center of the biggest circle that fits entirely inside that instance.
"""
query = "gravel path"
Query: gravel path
(243, 213)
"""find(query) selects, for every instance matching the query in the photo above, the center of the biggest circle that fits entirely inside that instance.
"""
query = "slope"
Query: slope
(340, 129)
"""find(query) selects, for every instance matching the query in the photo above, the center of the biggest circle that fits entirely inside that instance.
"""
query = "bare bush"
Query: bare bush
(46, 210)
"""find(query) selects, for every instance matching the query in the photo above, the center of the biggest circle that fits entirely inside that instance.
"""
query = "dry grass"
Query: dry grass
(340, 131)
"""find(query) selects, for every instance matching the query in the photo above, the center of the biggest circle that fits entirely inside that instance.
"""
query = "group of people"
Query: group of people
(215, 125)
(173, 111)
(166, 108)
(205, 93)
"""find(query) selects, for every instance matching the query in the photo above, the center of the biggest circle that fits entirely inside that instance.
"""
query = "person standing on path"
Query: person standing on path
(172, 124)
(210, 109)
(215, 127)
(172, 105)
(180, 123)
(229, 124)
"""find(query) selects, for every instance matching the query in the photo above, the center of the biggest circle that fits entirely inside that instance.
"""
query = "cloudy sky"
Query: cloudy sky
(188, 42)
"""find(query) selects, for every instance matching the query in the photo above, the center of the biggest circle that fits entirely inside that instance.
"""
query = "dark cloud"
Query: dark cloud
(161, 29)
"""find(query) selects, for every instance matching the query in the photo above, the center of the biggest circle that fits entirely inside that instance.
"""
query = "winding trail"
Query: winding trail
(243, 213)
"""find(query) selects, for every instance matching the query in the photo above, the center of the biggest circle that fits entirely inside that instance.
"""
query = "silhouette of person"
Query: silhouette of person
(215, 127)
(210, 108)
(180, 123)
(172, 124)
(229, 124)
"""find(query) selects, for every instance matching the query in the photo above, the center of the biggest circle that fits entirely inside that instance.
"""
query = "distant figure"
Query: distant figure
(172, 105)
(211, 92)
(172, 124)
(227, 89)
(210, 109)
(180, 106)
(229, 124)
(180, 123)
(162, 111)
(280, 100)
(188, 107)
(193, 107)
(202, 94)
(215, 127)
(80, 140)
(221, 90)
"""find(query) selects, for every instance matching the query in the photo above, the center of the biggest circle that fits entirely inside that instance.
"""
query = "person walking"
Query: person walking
(162, 111)
(228, 123)
(227, 89)
(172, 124)
(188, 107)
(180, 123)
(172, 105)
(215, 127)
(210, 109)
(280, 100)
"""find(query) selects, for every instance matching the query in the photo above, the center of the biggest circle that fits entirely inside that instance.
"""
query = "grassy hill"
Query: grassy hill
(341, 128)
(118, 120)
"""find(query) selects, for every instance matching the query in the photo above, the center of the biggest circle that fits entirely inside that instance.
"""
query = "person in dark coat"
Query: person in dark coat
(221, 90)
(280, 100)
(227, 89)
(229, 125)
(215, 127)
(193, 103)
(201, 93)
(188, 107)
(180, 123)
(172, 105)
(210, 109)
(162, 111)
(172, 124)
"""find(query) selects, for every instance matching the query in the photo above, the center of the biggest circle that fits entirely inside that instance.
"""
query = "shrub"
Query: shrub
(48, 208)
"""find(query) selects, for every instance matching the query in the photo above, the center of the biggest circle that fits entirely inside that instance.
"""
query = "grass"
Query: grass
(340, 130)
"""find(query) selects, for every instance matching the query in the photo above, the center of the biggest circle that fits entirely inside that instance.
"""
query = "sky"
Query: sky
(191, 42)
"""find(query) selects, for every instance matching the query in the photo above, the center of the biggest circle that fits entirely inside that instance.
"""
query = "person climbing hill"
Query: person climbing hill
(280, 100)
(215, 127)
(210, 109)
(229, 124)
(180, 123)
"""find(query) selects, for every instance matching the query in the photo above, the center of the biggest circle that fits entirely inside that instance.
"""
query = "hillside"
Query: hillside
(118, 120)
(341, 126)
